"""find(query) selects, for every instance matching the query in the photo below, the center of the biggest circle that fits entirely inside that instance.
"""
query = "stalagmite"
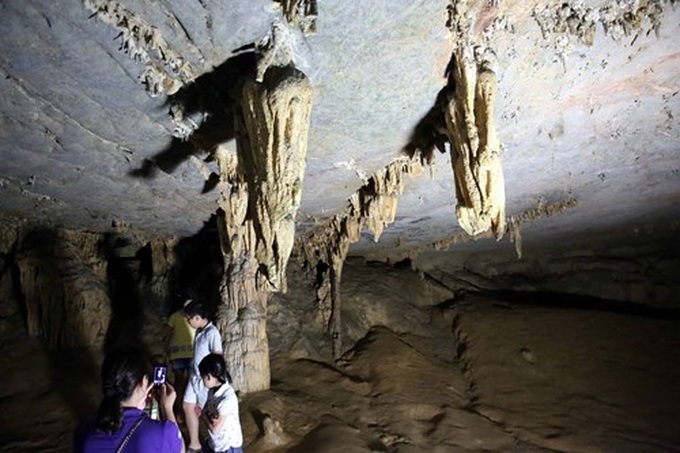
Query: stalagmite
(470, 126)
(261, 187)
(335, 321)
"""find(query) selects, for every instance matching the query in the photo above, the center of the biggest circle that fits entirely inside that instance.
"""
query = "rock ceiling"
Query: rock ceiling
(586, 112)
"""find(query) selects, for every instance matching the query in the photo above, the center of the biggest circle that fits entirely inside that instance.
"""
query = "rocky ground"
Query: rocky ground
(422, 372)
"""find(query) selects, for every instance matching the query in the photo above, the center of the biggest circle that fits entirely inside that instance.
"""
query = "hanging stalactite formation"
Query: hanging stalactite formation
(373, 207)
(469, 117)
(300, 13)
(261, 187)
(165, 71)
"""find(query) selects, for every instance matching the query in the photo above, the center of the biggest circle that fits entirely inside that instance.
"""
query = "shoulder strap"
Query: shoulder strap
(129, 434)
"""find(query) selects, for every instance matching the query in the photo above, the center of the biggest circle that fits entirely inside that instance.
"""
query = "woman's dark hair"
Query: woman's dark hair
(214, 365)
(194, 308)
(122, 371)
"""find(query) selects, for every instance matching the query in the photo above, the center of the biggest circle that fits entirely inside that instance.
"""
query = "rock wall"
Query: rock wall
(80, 290)
(63, 283)
(620, 275)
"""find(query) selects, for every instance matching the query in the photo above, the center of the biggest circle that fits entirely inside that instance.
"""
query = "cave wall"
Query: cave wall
(408, 337)
(73, 289)
(81, 290)
(623, 274)
(373, 294)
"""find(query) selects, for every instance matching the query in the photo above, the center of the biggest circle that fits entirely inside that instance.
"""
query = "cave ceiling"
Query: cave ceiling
(586, 112)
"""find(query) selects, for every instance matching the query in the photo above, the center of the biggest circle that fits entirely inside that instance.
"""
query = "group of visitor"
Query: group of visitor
(194, 351)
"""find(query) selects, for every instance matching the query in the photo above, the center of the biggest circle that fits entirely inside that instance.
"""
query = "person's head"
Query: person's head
(125, 381)
(196, 314)
(180, 301)
(213, 371)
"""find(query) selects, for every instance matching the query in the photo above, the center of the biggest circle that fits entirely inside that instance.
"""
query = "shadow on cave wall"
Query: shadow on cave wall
(71, 364)
(199, 266)
(125, 326)
(430, 132)
(49, 276)
(207, 107)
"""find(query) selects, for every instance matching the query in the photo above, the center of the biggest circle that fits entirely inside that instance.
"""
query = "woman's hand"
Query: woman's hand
(168, 395)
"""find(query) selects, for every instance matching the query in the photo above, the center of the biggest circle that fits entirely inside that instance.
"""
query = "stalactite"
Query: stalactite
(469, 116)
(567, 23)
(261, 187)
(165, 71)
(373, 207)
(276, 118)
(300, 13)
(541, 210)
(335, 321)
(515, 228)
(517, 221)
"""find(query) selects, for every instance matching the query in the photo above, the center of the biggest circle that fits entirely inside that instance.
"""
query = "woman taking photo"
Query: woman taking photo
(121, 425)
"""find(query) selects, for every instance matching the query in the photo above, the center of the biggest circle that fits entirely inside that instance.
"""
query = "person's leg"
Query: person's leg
(191, 419)
(181, 369)
(190, 414)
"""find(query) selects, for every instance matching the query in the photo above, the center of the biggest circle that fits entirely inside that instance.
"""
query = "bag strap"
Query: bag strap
(129, 434)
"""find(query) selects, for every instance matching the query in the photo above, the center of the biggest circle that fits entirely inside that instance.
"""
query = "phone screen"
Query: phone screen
(159, 373)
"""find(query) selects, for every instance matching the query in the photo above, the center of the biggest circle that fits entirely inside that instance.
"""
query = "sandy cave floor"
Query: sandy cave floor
(485, 375)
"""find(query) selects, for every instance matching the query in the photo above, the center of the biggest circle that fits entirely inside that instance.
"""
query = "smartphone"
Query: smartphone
(159, 373)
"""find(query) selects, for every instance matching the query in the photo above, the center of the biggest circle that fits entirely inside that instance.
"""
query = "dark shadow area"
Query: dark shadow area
(580, 302)
(199, 266)
(71, 365)
(207, 106)
(259, 417)
(430, 132)
(361, 344)
(126, 323)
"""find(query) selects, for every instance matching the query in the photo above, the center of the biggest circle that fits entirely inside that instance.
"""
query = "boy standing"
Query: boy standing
(207, 341)
(179, 341)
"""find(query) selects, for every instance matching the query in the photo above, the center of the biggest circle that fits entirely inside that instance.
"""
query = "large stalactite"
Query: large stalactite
(470, 127)
(261, 188)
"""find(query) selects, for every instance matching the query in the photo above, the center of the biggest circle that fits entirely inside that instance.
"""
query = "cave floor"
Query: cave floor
(490, 375)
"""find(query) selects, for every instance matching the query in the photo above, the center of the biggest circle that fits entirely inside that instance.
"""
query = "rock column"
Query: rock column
(261, 188)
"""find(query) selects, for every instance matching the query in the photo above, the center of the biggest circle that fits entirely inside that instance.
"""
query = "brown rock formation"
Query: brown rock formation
(261, 189)
(470, 127)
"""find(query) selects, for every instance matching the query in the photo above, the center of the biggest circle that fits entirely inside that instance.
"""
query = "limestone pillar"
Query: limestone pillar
(261, 187)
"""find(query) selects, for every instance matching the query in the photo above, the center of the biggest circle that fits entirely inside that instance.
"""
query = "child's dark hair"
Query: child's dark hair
(122, 371)
(214, 365)
(180, 301)
(194, 308)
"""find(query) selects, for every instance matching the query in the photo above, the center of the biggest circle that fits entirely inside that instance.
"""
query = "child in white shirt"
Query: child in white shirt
(221, 410)
(207, 340)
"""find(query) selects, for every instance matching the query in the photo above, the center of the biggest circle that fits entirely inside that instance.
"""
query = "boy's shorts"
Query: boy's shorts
(181, 364)
(196, 392)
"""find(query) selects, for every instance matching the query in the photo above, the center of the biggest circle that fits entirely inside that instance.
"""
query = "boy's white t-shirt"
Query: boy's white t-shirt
(229, 434)
(207, 341)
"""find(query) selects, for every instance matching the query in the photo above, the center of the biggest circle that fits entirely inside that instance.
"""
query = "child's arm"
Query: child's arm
(227, 413)
(217, 423)
(216, 342)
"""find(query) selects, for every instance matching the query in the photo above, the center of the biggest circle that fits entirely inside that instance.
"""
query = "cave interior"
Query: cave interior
(419, 225)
